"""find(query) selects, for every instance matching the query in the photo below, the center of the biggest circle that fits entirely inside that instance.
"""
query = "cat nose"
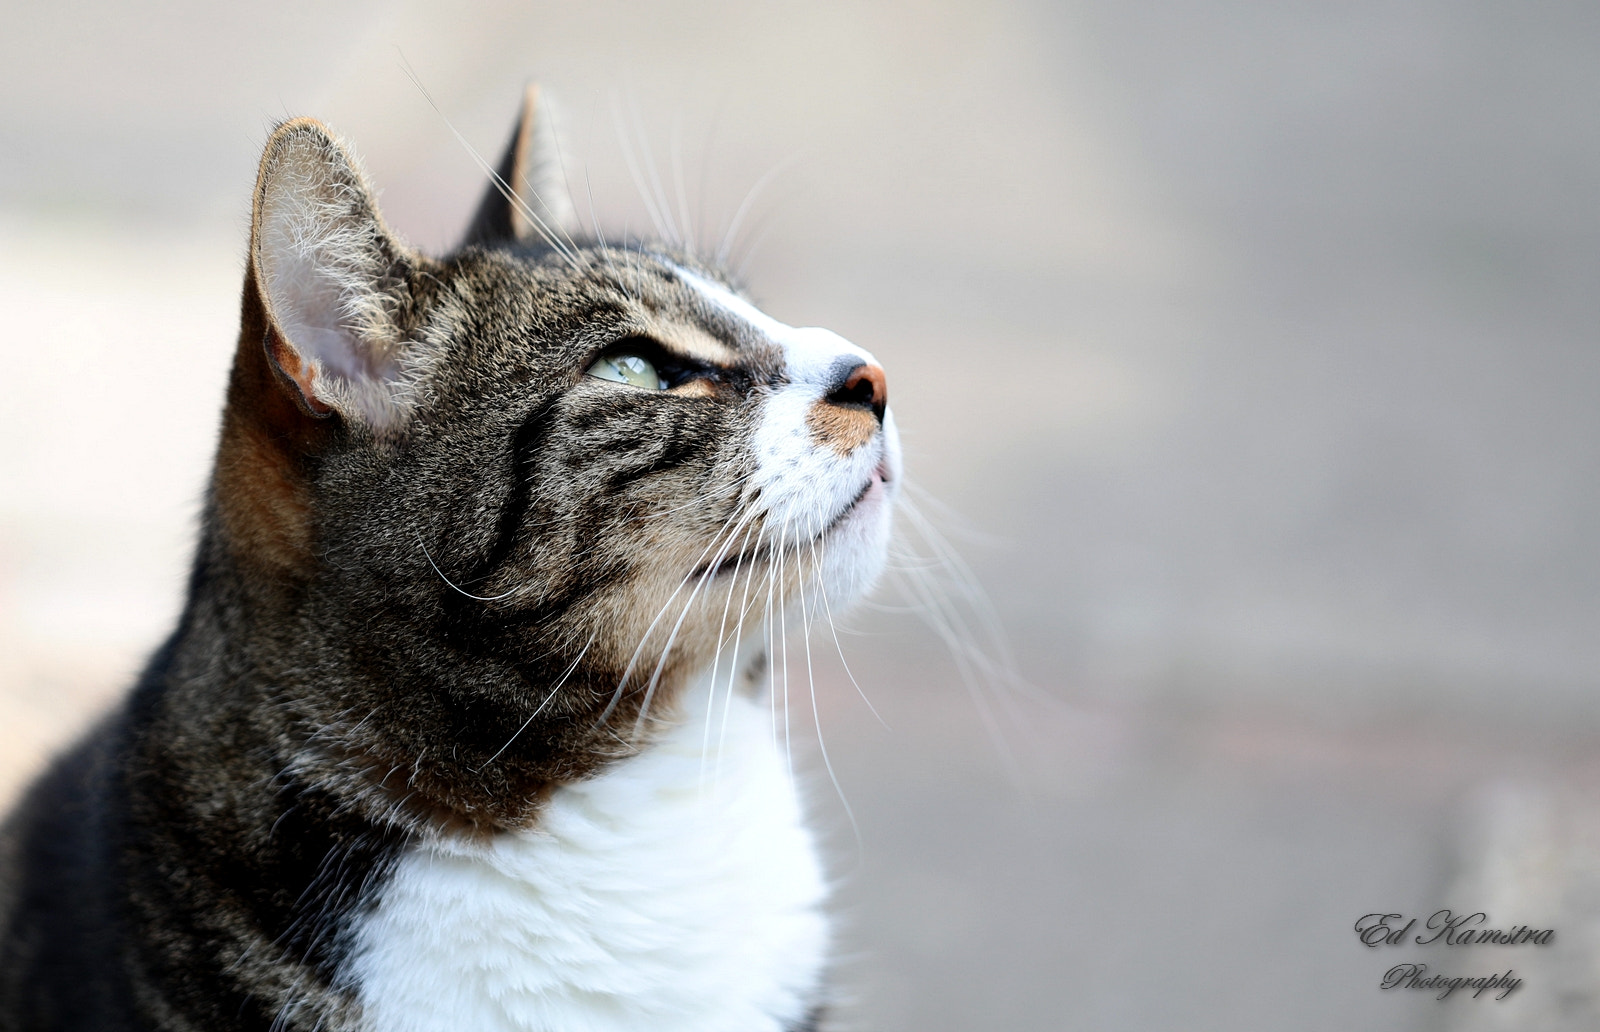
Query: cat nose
(858, 384)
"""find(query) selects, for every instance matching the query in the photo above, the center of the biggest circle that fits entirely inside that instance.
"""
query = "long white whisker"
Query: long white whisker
(722, 632)
(716, 659)
(730, 235)
(705, 170)
(547, 700)
(961, 573)
(571, 257)
(773, 566)
(616, 696)
(453, 584)
(675, 152)
(600, 239)
(750, 252)
(983, 671)
(566, 182)
(738, 639)
(833, 628)
(783, 633)
(656, 217)
(666, 650)
(811, 679)
(675, 237)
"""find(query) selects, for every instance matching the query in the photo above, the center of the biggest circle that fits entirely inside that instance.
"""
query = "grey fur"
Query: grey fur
(334, 688)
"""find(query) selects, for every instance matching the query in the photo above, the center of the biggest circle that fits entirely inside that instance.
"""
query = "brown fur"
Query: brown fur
(334, 689)
(840, 428)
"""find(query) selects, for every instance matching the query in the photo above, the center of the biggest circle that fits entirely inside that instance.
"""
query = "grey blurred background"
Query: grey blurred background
(1248, 350)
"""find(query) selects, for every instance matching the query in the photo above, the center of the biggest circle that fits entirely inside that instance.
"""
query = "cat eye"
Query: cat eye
(630, 369)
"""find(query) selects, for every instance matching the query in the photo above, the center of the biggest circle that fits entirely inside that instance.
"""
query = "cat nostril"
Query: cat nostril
(863, 385)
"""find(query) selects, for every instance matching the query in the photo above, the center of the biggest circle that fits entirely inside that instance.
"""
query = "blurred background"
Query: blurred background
(1246, 351)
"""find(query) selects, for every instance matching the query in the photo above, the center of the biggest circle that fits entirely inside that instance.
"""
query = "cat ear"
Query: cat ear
(331, 279)
(528, 199)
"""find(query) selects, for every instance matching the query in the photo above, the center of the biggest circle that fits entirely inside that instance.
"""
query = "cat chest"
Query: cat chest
(680, 890)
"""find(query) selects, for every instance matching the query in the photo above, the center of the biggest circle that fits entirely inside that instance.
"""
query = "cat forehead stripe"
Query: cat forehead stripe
(809, 351)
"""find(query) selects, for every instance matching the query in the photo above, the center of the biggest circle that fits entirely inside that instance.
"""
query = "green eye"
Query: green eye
(631, 369)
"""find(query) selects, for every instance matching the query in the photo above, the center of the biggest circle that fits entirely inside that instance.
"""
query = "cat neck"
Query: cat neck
(679, 889)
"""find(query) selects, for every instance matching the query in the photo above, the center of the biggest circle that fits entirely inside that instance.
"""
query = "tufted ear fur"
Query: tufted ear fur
(333, 283)
(529, 199)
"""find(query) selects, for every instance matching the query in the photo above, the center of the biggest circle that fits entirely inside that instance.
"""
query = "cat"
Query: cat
(462, 725)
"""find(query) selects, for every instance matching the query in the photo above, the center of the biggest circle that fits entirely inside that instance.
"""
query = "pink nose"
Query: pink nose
(864, 385)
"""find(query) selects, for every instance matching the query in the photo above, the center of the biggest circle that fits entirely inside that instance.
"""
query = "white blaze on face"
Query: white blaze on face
(836, 501)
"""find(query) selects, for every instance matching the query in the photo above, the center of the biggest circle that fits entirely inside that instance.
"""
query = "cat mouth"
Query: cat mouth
(733, 564)
(852, 506)
(761, 553)
(877, 480)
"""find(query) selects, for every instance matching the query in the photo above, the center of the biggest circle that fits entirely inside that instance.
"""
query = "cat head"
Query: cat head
(483, 514)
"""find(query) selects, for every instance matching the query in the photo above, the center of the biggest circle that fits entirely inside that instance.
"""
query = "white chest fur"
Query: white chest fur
(679, 890)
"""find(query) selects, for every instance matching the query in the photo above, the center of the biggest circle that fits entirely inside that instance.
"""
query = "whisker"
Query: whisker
(566, 182)
(600, 240)
(833, 628)
(985, 667)
(773, 566)
(699, 502)
(658, 218)
(738, 635)
(675, 237)
(673, 637)
(811, 679)
(730, 235)
(453, 584)
(705, 169)
(547, 700)
(571, 257)
(616, 696)
(750, 253)
(675, 152)
(716, 660)
(783, 632)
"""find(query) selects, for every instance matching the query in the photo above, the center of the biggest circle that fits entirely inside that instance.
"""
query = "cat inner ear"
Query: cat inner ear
(527, 198)
(332, 279)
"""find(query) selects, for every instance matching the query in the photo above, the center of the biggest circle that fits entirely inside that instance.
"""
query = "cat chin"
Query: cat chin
(855, 549)
(856, 545)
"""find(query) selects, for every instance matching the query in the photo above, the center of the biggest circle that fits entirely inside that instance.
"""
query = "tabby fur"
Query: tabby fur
(444, 581)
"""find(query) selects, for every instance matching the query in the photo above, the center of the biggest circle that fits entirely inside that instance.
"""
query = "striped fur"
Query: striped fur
(450, 599)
